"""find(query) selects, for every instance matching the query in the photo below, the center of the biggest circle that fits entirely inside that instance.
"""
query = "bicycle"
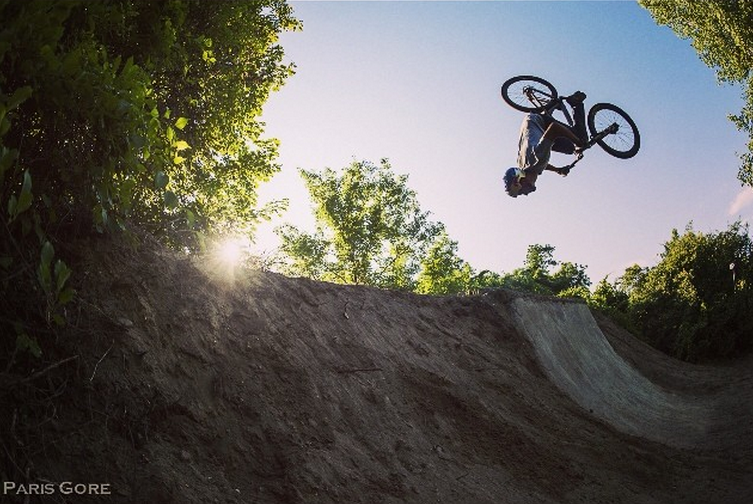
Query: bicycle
(609, 126)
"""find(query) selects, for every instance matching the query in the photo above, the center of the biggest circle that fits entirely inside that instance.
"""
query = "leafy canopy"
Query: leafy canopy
(722, 33)
(443, 271)
(536, 275)
(370, 229)
(128, 110)
(695, 303)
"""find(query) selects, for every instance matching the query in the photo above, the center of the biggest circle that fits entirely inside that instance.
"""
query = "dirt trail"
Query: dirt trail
(191, 389)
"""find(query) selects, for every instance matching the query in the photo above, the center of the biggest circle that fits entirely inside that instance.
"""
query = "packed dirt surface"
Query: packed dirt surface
(195, 384)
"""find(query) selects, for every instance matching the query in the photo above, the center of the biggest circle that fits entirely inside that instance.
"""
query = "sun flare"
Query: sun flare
(231, 251)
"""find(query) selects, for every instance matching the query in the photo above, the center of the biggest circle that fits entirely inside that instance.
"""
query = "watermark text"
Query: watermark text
(63, 488)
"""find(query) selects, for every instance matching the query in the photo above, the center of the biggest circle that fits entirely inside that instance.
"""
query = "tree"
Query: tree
(539, 260)
(143, 110)
(536, 276)
(127, 111)
(722, 33)
(370, 229)
(694, 303)
(443, 271)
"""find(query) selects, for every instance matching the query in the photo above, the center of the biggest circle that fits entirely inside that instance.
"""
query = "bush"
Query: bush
(117, 111)
(695, 303)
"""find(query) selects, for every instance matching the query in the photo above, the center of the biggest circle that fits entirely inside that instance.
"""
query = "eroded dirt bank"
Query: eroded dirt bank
(190, 389)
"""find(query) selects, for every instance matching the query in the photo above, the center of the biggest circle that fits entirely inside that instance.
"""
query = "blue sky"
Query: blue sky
(418, 83)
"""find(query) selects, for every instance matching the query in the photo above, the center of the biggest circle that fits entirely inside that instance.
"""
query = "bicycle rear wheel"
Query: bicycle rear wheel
(625, 141)
(528, 93)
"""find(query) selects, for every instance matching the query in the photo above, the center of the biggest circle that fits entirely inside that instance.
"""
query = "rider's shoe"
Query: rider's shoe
(576, 98)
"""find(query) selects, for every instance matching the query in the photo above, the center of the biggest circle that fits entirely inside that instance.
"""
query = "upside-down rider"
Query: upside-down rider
(539, 135)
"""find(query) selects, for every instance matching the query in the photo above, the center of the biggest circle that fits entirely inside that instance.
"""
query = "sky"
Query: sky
(419, 83)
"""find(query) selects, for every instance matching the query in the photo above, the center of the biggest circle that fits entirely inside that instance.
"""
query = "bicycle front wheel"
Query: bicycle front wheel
(625, 141)
(528, 93)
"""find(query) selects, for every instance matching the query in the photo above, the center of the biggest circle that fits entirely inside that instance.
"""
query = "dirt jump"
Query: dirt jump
(192, 387)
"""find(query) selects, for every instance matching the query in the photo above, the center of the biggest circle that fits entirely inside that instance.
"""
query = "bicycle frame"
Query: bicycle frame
(605, 122)
(550, 104)
(559, 104)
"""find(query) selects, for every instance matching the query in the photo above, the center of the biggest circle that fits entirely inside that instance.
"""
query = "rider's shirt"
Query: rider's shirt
(533, 152)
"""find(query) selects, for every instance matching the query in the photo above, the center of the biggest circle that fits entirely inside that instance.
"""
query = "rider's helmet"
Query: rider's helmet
(513, 175)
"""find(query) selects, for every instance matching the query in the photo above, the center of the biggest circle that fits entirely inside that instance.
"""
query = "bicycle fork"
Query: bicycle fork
(612, 129)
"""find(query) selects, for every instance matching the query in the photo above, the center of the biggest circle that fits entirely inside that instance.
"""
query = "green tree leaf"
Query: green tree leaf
(19, 96)
(161, 180)
(44, 270)
(181, 145)
(25, 343)
(171, 200)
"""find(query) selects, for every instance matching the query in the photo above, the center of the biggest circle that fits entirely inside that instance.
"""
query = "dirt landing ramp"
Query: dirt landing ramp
(191, 390)
(579, 359)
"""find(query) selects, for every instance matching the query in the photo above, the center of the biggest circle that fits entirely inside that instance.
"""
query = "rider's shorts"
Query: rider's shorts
(533, 152)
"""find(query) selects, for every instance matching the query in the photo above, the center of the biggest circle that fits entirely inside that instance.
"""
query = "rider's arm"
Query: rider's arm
(560, 171)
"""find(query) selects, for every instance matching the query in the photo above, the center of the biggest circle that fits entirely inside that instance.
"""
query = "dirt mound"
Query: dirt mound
(191, 388)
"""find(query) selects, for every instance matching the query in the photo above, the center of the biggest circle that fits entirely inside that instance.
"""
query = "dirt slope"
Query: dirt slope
(192, 389)
(578, 358)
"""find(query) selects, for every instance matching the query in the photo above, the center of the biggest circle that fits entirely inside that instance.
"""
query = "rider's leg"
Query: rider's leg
(579, 116)
(579, 127)
(563, 146)
(562, 134)
(557, 129)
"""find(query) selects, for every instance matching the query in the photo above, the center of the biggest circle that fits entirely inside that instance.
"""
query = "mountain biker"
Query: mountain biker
(539, 135)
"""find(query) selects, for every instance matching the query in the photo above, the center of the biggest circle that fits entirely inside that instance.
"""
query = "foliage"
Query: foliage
(446, 273)
(612, 300)
(694, 303)
(116, 111)
(570, 280)
(722, 33)
(369, 229)
(443, 271)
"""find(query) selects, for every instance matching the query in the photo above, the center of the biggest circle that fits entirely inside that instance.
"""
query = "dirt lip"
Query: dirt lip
(189, 388)
(579, 359)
